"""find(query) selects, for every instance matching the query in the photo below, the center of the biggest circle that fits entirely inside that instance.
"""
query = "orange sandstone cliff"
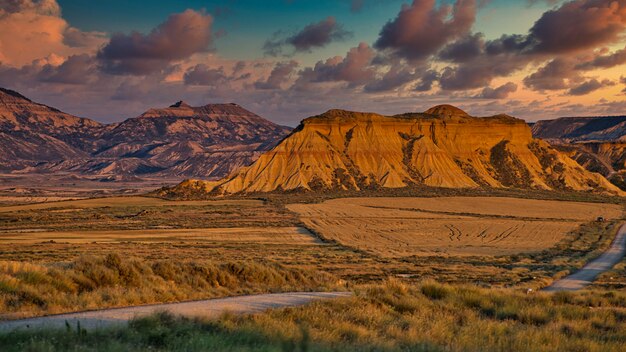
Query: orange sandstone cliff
(442, 147)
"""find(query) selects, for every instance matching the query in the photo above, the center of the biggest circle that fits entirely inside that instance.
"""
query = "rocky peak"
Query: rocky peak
(11, 94)
(446, 111)
(180, 104)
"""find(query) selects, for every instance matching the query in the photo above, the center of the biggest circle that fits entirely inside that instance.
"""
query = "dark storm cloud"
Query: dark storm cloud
(315, 35)
(500, 92)
(421, 29)
(590, 86)
(279, 75)
(179, 37)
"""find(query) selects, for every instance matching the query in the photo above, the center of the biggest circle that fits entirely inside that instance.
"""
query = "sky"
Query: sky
(289, 59)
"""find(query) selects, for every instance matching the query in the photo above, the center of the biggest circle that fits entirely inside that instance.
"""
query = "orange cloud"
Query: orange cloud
(30, 30)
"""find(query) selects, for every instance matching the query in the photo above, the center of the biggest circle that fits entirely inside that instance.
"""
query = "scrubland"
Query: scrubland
(89, 254)
(389, 316)
(112, 281)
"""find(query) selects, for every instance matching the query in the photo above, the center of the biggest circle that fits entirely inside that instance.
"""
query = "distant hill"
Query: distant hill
(31, 133)
(178, 141)
(442, 147)
(597, 143)
(577, 129)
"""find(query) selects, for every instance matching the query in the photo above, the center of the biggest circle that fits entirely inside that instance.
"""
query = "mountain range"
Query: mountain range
(441, 147)
(240, 152)
(179, 141)
(596, 143)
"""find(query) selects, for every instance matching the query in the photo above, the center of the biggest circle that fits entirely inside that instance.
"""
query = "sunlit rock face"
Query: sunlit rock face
(442, 147)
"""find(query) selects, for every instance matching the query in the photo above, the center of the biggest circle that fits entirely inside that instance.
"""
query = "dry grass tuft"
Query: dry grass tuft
(93, 282)
(391, 316)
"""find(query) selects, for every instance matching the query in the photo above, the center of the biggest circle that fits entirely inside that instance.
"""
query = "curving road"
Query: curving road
(206, 309)
(591, 270)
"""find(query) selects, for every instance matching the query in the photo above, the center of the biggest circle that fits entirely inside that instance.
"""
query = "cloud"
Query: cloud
(77, 69)
(397, 76)
(279, 75)
(557, 74)
(577, 25)
(560, 35)
(315, 35)
(76, 38)
(421, 29)
(500, 92)
(426, 81)
(179, 37)
(30, 30)
(480, 71)
(590, 86)
(574, 26)
(464, 49)
(355, 68)
(605, 61)
(41, 7)
(203, 75)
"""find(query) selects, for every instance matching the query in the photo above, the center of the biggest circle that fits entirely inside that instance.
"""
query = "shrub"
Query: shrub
(435, 291)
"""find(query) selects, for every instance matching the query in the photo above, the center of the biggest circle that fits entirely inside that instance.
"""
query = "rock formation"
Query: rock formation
(596, 143)
(442, 147)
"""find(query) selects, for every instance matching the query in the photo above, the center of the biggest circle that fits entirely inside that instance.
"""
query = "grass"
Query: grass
(52, 277)
(149, 273)
(111, 281)
(67, 216)
(412, 314)
(351, 265)
(393, 316)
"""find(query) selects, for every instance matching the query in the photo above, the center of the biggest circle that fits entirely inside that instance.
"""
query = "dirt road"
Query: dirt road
(591, 270)
(207, 309)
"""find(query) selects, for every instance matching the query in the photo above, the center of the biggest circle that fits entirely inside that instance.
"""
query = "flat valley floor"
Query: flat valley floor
(486, 240)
